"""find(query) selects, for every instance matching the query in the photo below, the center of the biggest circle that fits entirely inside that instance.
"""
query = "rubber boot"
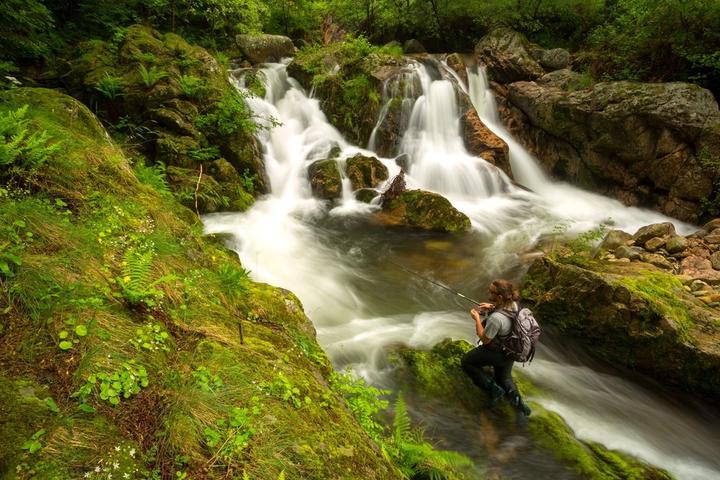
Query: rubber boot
(494, 391)
(519, 405)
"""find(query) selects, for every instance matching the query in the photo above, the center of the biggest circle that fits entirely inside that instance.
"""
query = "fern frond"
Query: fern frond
(401, 422)
(137, 269)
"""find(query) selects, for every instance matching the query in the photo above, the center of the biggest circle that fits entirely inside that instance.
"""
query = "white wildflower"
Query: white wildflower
(117, 448)
(132, 452)
(116, 465)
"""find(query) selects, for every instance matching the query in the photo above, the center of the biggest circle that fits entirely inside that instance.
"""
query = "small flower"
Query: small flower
(116, 465)
(117, 448)
(97, 469)
(126, 475)
(87, 475)
(132, 453)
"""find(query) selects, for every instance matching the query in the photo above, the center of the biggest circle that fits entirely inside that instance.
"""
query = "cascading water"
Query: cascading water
(340, 266)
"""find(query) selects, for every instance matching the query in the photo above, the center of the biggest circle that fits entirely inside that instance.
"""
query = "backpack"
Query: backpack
(525, 333)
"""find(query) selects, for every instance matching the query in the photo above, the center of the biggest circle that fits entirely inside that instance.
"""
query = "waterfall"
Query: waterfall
(342, 268)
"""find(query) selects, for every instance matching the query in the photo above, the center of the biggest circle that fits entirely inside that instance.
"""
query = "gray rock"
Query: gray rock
(676, 244)
(263, 48)
(632, 253)
(564, 79)
(554, 59)
(413, 46)
(614, 239)
(505, 53)
(654, 244)
(655, 230)
(712, 225)
(696, 285)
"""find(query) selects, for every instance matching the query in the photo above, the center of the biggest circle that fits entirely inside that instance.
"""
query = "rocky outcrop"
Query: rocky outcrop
(456, 62)
(553, 59)
(506, 54)
(649, 311)
(423, 210)
(263, 48)
(365, 172)
(481, 141)
(325, 180)
(641, 143)
(436, 378)
(412, 46)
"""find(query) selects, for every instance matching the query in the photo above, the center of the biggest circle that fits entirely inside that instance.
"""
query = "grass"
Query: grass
(89, 214)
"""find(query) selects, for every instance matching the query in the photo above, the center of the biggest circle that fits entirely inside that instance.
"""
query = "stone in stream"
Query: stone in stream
(365, 172)
(325, 180)
(676, 244)
(651, 231)
(482, 142)
(436, 379)
(614, 239)
(632, 253)
(423, 210)
(654, 244)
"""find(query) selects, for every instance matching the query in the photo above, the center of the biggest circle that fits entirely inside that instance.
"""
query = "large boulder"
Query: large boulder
(263, 48)
(424, 210)
(325, 180)
(365, 172)
(553, 59)
(655, 230)
(506, 54)
(412, 46)
(631, 314)
(642, 143)
(481, 141)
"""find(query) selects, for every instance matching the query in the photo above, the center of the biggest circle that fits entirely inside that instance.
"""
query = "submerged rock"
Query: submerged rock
(263, 48)
(325, 180)
(424, 210)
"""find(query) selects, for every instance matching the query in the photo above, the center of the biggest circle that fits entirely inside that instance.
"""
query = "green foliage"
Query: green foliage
(110, 86)
(33, 444)
(152, 337)
(286, 390)
(68, 338)
(579, 249)
(153, 175)
(228, 438)
(248, 181)
(234, 280)
(23, 149)
(192, 87)
(112, 387)
(14, 239)
(151, 76)
(230, 115)
(26, 27)
(365, 402)
(118, 462)
(206, 381)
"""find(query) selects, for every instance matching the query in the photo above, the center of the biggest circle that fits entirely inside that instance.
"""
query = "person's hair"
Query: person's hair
(507, 291)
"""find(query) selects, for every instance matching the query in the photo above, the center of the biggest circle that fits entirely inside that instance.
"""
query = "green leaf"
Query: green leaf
(114, 401)
(65, 345)
(63, 334)
(51, 405)
(84, 407)
(81, 330)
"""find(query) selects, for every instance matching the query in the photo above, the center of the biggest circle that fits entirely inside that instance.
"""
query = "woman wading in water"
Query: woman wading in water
(499, 326)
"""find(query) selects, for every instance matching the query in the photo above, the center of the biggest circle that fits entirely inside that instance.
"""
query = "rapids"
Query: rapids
(343, 268)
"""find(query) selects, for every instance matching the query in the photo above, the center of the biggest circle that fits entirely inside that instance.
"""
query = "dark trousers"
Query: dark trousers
(487, 355)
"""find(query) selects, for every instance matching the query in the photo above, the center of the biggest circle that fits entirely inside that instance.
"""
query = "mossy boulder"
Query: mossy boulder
(171, 98)
(263, 48)
(436, 375)
(632, 314)
(365, 172)
(366, 195)
(424, 210)
(507, 56)
(118, 279)
(325, 180)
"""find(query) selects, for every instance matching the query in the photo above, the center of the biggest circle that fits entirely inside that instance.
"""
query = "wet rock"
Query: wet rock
(700, 269)
(481, 141)
(424, 210)
(697, 285)
(713, 237)
(631, 253)
(365, 172)
(505, 53)
(457, 64)
(564, 79)
(654, 244)
(655, 230)
(413, 46)
(715, 260)
(676, 244)
(325, 180)
(614, 239)
(265, 48)
(712, 225)
(403, 161)
(366, 195)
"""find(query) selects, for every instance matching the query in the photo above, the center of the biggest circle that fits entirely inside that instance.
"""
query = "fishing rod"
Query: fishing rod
(412, 272)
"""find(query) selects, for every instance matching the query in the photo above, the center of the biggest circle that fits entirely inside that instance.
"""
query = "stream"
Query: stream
(345, 271)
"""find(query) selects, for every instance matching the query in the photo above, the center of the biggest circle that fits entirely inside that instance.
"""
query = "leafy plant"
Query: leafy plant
(23, 149)
(110, 86)
(136, 284)
(153, 175)
(71, 336)
(11, 249)
(206, 381)
(151, 337)
(229, 115)
(365, 402)
(124, 383)
(152, 76)
(204, 154)
(191, 86)
(33, 444)
(284, 389)
(248, 181)
(234, 280)
(229, 438)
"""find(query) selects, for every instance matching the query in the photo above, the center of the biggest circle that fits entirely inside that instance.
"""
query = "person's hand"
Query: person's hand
(486, 306)
(475, 314)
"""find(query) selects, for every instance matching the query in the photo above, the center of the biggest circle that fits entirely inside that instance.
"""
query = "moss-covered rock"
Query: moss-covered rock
(507, 56)
(131, 338)
(365, 172)
(325, 180)
(366, 195)
(633, 314)
(437, 375)
(171, 98)
(424, 210)
(263, 48)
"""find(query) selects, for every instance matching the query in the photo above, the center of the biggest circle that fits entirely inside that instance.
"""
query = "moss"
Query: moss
(325, 179)
(365, 172)
(428, 211)
(662, 291)
(96, 232)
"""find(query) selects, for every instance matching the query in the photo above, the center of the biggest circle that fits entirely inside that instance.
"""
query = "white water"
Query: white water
(359, 305)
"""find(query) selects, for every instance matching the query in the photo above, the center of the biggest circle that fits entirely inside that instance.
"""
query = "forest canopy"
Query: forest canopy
(655, 40)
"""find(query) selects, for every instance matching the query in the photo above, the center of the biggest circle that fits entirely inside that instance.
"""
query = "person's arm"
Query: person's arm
(479, 329)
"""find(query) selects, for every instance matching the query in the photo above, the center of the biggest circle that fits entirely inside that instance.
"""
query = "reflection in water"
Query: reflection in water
(341, 267)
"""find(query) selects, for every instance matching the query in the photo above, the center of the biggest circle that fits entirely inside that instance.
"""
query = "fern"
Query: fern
(110, 86)
(153, 175)
(401, 421)
(136, 281)
(22, 153)
(234, 281)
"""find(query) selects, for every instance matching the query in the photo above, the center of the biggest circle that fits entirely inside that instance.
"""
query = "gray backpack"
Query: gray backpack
(525, 333)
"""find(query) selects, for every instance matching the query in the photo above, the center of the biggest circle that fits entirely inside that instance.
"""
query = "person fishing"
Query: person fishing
(493, 332)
